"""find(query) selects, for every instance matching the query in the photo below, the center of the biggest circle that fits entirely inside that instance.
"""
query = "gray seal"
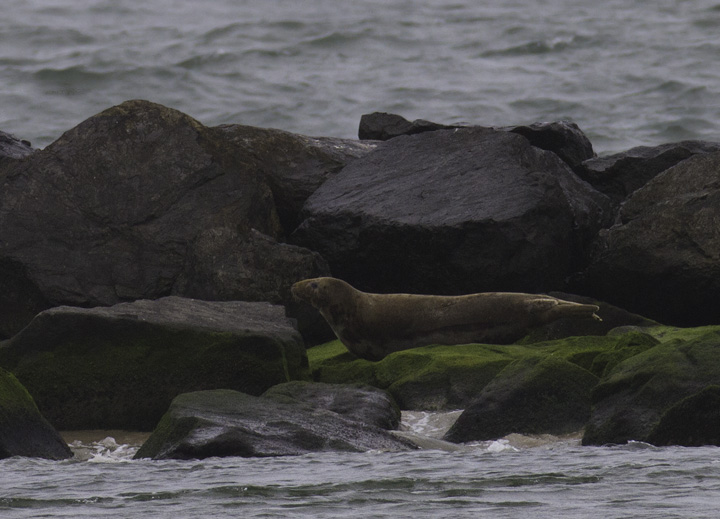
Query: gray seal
(374, 325)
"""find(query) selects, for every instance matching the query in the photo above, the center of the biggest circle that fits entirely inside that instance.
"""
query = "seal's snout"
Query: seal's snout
(304, 290)
(296, 291)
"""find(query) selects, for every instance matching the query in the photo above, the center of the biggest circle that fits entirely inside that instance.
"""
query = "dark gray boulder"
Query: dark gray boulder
(120, 367)
(13, 148)
(621, 174)
(20, 298)
(382, 126)
(294, 165)
(223, 264)
(662, 258)
(530, 396)
(357, 402)
(230, 423)
(23, 430)
(120, 206)
(454, 211)
(564, 138)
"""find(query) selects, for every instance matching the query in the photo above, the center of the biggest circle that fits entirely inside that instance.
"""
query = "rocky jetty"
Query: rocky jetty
(144, 255)
(23, 430)
(230, 423)
(120, 367)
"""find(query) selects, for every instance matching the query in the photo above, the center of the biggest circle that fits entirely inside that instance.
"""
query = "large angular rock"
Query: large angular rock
(649, 396)
(23, 430)
(621, 174)
(662, 258)
(105, 213)
(229, 423)
(451, 212)
(120, 367)
(530, 396)
(122, 207)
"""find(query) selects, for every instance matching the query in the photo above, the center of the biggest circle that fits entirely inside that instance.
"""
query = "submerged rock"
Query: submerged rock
(451, 212)
(230, 423)
(23, 430)
(662, 258)
(120, 367)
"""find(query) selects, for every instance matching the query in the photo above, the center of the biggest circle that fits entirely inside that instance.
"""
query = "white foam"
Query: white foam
(106, 450)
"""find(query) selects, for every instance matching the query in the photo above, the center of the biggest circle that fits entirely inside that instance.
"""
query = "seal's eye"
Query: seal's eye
(313, 285)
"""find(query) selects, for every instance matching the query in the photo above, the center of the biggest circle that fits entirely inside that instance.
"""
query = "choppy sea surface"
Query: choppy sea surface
(628, 73)
(514, 477)
(632, 73)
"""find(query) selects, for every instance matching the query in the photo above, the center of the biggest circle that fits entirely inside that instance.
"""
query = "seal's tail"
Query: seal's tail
(577, 310)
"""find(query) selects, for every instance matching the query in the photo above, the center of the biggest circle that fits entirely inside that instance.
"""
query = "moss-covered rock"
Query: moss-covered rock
(533, 395)
(640, 392)
(120, 367)
(23, 430)
(445, 377)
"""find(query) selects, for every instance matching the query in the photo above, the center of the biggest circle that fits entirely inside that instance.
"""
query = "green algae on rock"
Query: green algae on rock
(23, 430)
(120, 367)
(533, 395)
(445, 377)
(635, 400)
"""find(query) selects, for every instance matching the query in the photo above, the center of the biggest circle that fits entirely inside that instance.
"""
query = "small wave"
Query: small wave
(75, 74)
(556, 44)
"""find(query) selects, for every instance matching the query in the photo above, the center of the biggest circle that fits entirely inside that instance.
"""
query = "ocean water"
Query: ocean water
(628, 73)
(633, 73)
(515, 477)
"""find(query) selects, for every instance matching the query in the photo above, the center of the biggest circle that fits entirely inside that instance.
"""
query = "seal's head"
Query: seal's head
(323, 293)
(314, 291)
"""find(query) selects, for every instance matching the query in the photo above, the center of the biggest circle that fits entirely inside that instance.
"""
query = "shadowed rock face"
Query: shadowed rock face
(23, 430)
(229, 423)
(453, 211)
(652, 395)
(530, 396)
(662, 258)
(119, 367)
